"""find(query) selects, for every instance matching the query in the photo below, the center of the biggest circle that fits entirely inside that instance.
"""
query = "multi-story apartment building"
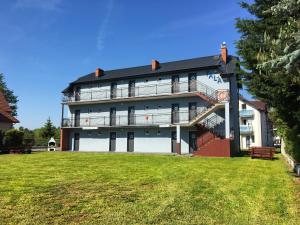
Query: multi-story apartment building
(255, 126)
(187, 106)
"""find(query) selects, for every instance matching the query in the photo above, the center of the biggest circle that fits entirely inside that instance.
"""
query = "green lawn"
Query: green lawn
(93, 188)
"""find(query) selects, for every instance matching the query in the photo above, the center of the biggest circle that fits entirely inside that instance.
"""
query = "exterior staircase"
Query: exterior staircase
(205, 113)
(212, 99)
(211, 140)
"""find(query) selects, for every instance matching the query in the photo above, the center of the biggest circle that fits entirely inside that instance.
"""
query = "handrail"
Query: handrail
(154, 89)
(182, 117)
(212, 124)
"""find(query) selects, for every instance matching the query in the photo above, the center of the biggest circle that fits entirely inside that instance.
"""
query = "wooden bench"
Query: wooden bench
(262, 152)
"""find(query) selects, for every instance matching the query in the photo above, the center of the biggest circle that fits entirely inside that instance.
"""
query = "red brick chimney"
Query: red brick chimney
(155, 65)
(224, 53)
(98, 72)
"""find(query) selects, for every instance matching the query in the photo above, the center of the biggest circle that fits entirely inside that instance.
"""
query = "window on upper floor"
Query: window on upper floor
(244, 122)
(244, 106)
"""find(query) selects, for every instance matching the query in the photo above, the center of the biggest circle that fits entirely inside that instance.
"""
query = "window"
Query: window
(243, 106)
(252, 139)
(245, 122)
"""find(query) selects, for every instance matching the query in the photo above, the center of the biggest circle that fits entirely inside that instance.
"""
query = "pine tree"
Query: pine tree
(270, 50)
(48, 130)
(9, 95)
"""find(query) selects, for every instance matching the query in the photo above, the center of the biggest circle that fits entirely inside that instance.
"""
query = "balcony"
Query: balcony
(246, 113)
(144, 120)
(145, 91)
(246, 129)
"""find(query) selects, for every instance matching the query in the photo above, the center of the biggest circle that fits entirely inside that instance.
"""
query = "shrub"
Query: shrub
(13, 138)
(1, 138)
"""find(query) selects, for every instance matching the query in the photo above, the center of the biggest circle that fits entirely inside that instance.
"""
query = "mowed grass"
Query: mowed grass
(93, 188)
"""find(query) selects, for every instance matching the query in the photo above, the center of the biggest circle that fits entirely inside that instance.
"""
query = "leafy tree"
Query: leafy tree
(270, 50)
(13, 138)
(28, 136)
(9, 95)
(48, 130)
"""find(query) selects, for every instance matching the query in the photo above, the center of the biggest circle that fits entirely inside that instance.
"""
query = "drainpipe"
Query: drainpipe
(178, 145)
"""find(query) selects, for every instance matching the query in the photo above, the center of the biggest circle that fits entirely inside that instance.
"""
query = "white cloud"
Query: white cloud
(103, 27)
(50, 5)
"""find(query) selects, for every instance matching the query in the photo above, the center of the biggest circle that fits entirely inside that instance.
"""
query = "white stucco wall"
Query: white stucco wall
(152, 142)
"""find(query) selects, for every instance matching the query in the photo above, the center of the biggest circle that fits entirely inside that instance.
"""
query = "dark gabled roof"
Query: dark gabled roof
(140, 71)
(257, 104)
(262, 106)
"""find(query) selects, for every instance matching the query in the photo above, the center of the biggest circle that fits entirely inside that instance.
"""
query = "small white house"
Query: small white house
(255, 126)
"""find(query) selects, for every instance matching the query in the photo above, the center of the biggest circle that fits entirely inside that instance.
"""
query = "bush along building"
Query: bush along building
(184, 107)
(256, 129)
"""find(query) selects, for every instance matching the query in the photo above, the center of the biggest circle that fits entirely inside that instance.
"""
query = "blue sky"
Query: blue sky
(44, 45)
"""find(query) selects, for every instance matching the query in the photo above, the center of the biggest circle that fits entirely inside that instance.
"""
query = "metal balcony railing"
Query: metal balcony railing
(182, 118)
(246, 129)
(134, 120)
(143, 91)
(246, 113)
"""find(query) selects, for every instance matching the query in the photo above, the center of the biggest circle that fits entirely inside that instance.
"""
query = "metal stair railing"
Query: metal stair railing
(206, 112)
(212, 124)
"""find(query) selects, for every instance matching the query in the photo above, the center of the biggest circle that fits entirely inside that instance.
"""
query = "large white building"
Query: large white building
(255, 126)
(187, 106)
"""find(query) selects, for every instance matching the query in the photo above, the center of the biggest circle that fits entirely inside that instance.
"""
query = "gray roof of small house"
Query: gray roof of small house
(168, 67)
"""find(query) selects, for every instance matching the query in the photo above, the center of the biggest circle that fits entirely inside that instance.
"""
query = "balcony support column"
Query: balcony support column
(62, 114)
(227, 120)
(178, 140)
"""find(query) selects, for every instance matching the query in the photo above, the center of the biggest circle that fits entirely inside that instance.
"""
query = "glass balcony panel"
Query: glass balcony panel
(246, 129)
(140, 91)
(246, 113)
